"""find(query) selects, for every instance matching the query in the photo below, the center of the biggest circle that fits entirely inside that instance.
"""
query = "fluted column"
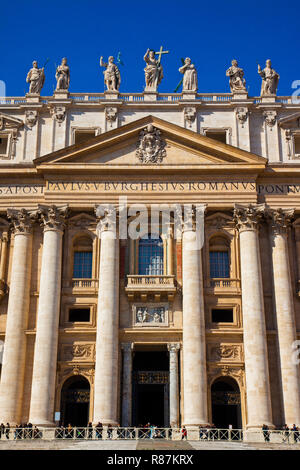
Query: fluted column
(173, 349)
(13, 367)
(107, 343)
(127, 384)
(45, 350)
(3, 263)
(193, 333)
(255, 340)
(285, 316)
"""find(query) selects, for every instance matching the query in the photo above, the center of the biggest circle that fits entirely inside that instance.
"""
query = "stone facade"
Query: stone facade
(233, 157)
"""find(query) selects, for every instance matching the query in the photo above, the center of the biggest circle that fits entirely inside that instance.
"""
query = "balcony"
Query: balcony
(143, 285)
(86, 286)
(223, 285)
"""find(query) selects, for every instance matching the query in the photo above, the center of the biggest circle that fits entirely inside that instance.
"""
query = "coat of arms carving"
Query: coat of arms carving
(151, 146)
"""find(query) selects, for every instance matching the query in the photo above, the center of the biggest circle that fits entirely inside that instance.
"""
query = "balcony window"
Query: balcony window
(219, 264)
(151, 257)
(82, 264)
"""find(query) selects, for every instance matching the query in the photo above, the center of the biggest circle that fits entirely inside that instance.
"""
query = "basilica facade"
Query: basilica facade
(101, 325)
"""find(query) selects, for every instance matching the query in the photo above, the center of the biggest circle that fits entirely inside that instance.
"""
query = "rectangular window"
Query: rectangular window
(222, 315)
(297, 144)
(3, 145)
(220, 136)
(219, 264)
(82, 268)
(82, 136)
(79, 315)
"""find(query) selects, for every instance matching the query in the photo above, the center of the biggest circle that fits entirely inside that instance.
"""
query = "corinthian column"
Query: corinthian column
(255, 340)
(193, 332)
(283, 296)
(45, 351)
(13, 367)
(174, 398)
(107, 343)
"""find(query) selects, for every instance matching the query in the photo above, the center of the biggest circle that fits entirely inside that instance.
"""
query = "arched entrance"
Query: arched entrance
(226, 403)
(75, 401)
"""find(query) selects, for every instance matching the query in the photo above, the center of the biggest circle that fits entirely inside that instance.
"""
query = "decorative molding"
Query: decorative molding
(78, 351)
(237, 373)
(225, 352)
(111, 114)
(241, 115)
(31, 116)
(151, 146)
(150, 314)
(270, 118)
(190, 114)
(58, 113)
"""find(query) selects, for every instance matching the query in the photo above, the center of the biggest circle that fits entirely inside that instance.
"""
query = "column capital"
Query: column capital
(192, 215)
(107, 218)
(22, 220)
(280, 219)
(127, 347)
(173, 347)
(248, 217)
(52, 217)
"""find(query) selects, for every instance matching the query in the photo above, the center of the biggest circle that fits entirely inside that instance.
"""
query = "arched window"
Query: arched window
(151, 256)
(82, 258)
(219, 259)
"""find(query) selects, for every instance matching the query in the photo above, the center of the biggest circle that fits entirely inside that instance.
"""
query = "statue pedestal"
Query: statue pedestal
(32, 97)
(268, 98)
(61, 94)
(189, 95)
(111, 95)
(239, 95)
(150, 95)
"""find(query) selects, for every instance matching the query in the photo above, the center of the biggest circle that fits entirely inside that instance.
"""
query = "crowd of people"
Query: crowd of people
(286, 432)
(21, 431)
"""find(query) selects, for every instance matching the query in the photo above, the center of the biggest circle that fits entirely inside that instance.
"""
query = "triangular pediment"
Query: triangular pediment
(292, 120)
(182, 149)
(9, 122)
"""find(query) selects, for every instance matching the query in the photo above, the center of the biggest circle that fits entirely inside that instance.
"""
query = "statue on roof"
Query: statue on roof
(236, 77)
(112, 76)
(270, 79)
(63, 75)
(153, 70)
(190, 82)
(36, 78)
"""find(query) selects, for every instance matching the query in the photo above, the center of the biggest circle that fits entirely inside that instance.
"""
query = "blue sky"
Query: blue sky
(211, 33)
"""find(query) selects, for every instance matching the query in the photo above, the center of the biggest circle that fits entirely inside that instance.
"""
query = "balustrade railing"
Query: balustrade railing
(224, 283)
(136, 97)
(137, 433)
(137, 280)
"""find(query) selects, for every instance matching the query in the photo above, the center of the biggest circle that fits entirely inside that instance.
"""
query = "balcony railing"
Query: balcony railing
(81, 284)
(224, 283)
(137, 281)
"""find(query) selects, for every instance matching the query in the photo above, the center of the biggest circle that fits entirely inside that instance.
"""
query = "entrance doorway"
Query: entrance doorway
(150, 397)
(75, 402)
(226, 403)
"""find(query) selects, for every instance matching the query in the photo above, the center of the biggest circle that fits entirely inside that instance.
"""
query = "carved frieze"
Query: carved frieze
(190, 115)
(241, 115)
(78, 351)
(66, 370)
(150, 314)
(31, 116)
(111, 114)
(58, 113)
(270, 118)
(225, 352)
(236, 373)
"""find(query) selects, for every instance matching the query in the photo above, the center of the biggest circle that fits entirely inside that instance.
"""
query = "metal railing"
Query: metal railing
(134, 433)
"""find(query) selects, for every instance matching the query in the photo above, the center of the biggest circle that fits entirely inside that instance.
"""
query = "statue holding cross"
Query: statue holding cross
(153, 69)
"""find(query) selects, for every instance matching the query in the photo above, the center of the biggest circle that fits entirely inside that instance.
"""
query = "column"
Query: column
(285, 316)
(173, 349)
(170, 267)
(127, 384)
(193, 334)
(45, 350)
(106, 370)
(3, 263)
(13, 367)
(255, 339)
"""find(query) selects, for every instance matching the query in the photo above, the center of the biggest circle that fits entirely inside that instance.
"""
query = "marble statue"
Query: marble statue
(36, 78)
(270, 79)
(63, 75)
(112, 76)
(236, 77)
(190, 82)
(153, 71)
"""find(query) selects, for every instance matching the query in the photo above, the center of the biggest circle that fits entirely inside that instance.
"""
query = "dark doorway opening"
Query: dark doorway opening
(151, 388)
(226, 403)
(75, 402)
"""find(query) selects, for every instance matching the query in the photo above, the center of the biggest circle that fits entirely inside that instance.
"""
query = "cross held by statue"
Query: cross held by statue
(160, 52)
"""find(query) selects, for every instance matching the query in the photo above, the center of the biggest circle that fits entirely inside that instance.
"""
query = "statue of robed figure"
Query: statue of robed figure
(153, 70)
